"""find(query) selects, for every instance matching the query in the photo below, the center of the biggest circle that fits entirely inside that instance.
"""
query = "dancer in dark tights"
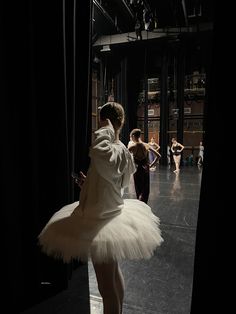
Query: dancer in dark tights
(140, 151)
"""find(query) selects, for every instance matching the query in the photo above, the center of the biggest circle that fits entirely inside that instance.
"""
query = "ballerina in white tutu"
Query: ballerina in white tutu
(103, 226)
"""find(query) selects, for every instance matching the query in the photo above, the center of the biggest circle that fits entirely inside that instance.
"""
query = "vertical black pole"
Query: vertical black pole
(133, 88)
(69, 187)
(123, 100)
(145, 97)
(180, 94)
(164, 108)
(101, 84)
(208, 69)
(73, 102)
(105, 79)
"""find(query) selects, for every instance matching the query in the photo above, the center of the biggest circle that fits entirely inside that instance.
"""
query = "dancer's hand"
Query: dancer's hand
(80, 180)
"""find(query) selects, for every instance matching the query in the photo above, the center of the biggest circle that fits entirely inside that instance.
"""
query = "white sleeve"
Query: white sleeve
(110, 160)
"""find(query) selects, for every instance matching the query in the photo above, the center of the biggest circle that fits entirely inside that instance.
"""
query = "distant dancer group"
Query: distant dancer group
(146, 156)
(149, 153)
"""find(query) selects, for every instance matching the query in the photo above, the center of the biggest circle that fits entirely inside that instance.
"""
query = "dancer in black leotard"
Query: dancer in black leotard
(176, 149)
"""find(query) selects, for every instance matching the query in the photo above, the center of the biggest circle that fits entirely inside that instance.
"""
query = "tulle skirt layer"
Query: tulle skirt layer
(133, 234)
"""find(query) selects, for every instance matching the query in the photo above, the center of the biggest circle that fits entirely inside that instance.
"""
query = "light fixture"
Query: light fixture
(105, 48)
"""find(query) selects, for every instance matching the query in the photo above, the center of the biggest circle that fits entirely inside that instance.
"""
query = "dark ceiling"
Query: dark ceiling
(120, 16)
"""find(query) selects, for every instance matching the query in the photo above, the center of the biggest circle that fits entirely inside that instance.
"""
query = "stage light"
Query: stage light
(105, 48)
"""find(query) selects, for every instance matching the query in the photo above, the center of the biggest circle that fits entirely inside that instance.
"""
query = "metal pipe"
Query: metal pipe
(107, 16)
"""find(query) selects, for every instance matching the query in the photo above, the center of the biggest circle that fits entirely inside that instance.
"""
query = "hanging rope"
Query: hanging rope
(66, 101)
(74, 99)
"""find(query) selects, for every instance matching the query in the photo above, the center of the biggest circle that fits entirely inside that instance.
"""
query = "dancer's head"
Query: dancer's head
(135, 134)
(115, 113)
(173, 140)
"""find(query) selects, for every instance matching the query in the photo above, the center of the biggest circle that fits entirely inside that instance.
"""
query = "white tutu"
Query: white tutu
(133, 234)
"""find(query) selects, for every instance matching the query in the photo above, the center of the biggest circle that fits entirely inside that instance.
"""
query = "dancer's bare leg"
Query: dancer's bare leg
(200, 160)
(177, 162)
(107, 275)
(120, 284)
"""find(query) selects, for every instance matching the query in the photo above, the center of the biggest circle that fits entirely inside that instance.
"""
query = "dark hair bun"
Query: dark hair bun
(114, 112)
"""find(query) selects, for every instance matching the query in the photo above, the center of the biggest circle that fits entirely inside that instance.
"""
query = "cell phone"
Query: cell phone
(75, 175)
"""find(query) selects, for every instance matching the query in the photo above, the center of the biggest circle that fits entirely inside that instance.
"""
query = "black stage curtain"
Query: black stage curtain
(208, 290)
(45, 132)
